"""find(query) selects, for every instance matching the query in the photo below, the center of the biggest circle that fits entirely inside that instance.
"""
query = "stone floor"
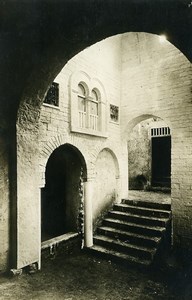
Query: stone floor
(150, 196)
(81, 276)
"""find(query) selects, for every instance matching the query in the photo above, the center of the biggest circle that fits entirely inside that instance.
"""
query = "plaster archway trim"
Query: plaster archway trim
(120, 169)
(91, 82)
(115, 159)
(142, 117)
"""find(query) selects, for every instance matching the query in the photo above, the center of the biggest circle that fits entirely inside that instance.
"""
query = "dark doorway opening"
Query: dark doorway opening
(60, 198)
(161, 161)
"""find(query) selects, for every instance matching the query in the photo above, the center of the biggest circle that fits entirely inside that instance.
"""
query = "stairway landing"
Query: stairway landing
(135, 232)
(150, 196)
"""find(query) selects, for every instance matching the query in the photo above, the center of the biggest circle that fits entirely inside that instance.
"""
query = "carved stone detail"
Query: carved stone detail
(80, 220)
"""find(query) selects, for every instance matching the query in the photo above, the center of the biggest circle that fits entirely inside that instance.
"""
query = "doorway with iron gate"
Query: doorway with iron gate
(161, 158)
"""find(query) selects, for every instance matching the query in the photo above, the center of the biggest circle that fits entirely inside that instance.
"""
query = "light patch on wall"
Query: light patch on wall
(162, 38)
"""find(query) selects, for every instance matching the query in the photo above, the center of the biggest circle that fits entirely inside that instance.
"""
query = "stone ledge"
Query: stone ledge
(56, 240)
(64, 244)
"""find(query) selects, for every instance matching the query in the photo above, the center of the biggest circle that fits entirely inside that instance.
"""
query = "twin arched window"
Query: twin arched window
(88, 105)
(88, 108)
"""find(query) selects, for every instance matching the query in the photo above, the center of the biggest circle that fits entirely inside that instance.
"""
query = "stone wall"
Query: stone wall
(28, 206)
(100, 62)
(156, 81)
(139, 153)
(105, 185)
(4, 206)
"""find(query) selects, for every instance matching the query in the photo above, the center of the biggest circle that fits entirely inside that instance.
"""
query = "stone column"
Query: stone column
(88, 220)
(118, 190)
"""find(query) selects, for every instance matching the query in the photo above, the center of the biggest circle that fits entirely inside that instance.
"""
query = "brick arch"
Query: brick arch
(90, 155)
(56, 142)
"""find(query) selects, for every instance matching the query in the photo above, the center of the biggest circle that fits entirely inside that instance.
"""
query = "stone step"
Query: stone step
(143, 220)
(143, 211)
(125, 236)
(133, 231)
(147, 204)
(155, 231)
(119, 257)
(123, 247)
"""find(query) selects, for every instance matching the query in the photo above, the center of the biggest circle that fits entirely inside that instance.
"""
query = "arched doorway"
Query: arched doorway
(149, 156)
(61, 198)
(160, 157)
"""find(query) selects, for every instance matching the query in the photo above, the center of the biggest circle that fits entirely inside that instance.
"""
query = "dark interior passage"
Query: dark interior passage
(60, 198)
(161, 161)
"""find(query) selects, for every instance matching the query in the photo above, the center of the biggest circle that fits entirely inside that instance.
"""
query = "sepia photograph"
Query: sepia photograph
(95, 149)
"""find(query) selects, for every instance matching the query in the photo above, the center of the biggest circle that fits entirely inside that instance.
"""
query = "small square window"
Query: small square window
(114, 113)
(52, 97)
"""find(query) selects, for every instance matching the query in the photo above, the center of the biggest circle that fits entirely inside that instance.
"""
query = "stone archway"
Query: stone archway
(149, 155)
(43, 63)
(61, 199)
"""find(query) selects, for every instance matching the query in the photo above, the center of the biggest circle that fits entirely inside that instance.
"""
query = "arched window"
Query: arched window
(94, 103)
(88, 105)
(82, 106)
(94, 110)
(81, 98)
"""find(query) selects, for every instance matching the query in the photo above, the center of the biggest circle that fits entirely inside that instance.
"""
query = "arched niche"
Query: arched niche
(106, 184)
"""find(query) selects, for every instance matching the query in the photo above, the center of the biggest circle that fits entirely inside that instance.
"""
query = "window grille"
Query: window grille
(114, 113)
(162, 131)
(52, 97)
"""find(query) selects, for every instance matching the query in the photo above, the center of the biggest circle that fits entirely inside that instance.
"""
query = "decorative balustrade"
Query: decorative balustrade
(93, 122)
(82, 119)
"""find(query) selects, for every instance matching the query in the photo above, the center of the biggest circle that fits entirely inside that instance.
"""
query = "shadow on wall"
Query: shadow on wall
(139, 158)
(139, 182)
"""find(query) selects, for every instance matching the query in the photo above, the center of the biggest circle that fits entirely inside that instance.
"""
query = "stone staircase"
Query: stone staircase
(135, 232)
